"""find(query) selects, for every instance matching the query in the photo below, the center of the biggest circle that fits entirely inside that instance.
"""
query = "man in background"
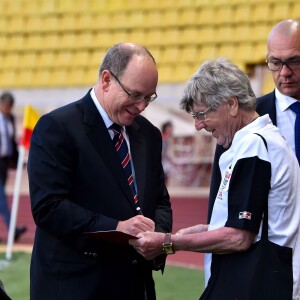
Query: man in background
(8, 154)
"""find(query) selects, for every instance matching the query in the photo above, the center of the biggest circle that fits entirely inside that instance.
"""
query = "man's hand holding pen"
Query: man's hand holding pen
(136, 225)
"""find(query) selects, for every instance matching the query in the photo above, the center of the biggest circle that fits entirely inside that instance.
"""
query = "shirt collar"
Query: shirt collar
(283, 101)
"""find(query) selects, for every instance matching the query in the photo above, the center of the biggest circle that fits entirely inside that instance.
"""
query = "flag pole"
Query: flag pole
(15, 203)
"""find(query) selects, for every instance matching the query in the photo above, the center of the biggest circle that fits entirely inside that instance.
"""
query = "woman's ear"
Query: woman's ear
(233, 106)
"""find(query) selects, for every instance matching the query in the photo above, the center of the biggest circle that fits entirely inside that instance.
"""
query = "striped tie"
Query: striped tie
(295, 107)
(124, 155)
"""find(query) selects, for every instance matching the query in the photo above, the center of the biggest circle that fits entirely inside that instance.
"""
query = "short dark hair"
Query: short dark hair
(118, 57)
(7, 97)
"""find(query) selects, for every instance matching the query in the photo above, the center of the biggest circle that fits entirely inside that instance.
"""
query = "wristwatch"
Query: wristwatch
(167, 245)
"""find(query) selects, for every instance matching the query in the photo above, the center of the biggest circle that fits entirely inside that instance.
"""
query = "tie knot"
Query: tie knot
(295, 107)
(115, 127)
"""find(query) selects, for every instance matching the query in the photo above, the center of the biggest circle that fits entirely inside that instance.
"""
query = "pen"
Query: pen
(139, 211)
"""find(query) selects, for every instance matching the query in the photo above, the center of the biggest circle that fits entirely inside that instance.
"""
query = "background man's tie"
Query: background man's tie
(124, 156)
(295, 107)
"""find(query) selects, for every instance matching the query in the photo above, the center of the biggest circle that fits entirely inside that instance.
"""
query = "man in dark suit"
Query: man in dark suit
(283, 60)
(77, 185)
(8, 154)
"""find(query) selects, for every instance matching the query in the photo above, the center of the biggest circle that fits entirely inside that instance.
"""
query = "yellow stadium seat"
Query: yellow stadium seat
(207, 52)
(190, 54)
(182, 72)
(207, 16)
(64, 58)
(96, 6)
(26, 78)
(225, 33)
(51, 41)
(4, 38)
(120, 36)
(137, 36)
(68, 40)
(170, 17)
(295, 11)
(92, 75)
(281, 11)
(102, 39)
(9, 78)
(261, 12)
(137, 19)
(188, 16)
(207, 34)
(165, 73)
(47, 59)
(15, 24)
(11, 60)
(66, 22)
(81, 58)
(96, 58)
(243, 13)
(35, 41)
(242, 33)
(172, 36)
(43, 78)
(171, 55)
(29, 59)
(84, 39)
(260, 53)
(224, 14)
(157, 53)
(227, 50)
(35, 23)
(155, 37)
(68, 6)
(51, 23)
(59, 77)
(260, 32)
(244, 51)
(191, 35)
(85, 21)
(151, 18)
(15, 42)
(119, 20)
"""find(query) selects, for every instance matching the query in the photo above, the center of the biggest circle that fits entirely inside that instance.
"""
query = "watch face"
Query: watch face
(168, 249)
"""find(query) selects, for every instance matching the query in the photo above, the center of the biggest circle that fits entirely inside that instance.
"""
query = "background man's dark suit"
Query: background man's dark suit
(265, 105)
(91, 190)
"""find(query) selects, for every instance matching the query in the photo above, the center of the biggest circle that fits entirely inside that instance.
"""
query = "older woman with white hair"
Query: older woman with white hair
(258, 168)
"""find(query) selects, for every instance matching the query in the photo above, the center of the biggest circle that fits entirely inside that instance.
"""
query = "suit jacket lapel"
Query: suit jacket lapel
(100, 138)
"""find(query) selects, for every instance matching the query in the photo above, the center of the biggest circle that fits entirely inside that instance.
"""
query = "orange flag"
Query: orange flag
(30, 119)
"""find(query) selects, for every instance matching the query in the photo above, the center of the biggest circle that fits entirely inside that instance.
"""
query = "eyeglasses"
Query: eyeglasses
(277, 65)
(135, 97)
(201, 115)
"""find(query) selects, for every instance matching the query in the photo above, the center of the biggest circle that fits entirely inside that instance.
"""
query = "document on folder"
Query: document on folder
(111, 235)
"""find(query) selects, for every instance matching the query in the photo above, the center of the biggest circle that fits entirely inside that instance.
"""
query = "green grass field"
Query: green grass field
(175, 284)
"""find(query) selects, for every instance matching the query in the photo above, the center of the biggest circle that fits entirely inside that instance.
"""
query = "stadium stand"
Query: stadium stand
(55, 36)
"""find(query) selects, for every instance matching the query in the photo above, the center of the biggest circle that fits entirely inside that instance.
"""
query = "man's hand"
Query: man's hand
(136, 225)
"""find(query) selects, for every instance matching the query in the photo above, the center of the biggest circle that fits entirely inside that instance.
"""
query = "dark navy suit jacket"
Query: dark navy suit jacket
(77, 185)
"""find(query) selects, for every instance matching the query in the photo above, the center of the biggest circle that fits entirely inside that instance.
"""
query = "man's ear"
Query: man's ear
(105, 80)
(233, 106)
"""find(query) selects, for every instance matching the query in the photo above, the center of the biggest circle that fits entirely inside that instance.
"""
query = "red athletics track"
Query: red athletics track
(187, 211)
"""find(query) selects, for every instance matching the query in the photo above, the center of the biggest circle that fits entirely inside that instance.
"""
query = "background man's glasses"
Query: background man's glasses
(135, 97)
(277, 65)
(201, 115)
